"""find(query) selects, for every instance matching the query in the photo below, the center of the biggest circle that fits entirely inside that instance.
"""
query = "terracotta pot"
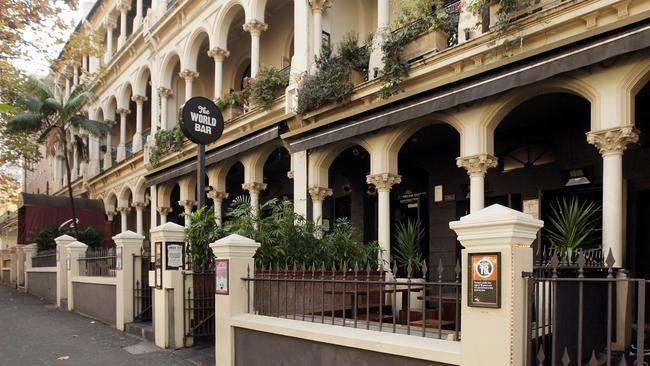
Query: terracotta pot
(435, 40)
(231, 112)
(358, 77)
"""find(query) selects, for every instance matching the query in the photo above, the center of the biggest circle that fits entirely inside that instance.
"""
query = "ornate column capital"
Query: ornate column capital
(188, 75)
(218, 54)
(165, 92)
(110, 22)
(477, 165)
(187, 204)
(320, 5)
(123, 210)
(254, 187)
(123, 112)
(319, 193)
(217, 196)
(290, 174)
(255, 27)
(613, 140)
(163, 211)
(110, 215)
(139, 99)
(384, 181)
(138, 205)
(124, 6)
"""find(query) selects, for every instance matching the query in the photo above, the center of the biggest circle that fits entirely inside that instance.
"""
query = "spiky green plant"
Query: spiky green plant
(573, 224)
(202, 231)
(407, 245)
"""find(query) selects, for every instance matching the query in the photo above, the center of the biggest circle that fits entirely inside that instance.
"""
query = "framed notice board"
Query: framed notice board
(484, 282)
(221, 276)
(175, 255)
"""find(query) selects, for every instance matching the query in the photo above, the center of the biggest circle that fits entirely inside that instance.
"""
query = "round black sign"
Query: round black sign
(201, 120)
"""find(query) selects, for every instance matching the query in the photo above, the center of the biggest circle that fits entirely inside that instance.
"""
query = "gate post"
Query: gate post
(61, 268)
(127, 244)
(239, 251)
(30, 252)
(76, 250)
(495, 335)
(167, 299)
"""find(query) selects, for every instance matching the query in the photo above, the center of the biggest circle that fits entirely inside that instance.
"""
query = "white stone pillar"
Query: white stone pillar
(164, 93)
(476, 166)
(163, 212)
(30, 251)
(75, 251)
(383, 26)
(139, 217)
(121, 147)
(383, 183)
(509, 233)
(217, 199)
(67, 89)
(137, 136)
(188, 205)
(239, 252)
(61, 267)
(254, 189)
(189, 77)
(75, 163)
(124, 211)
(299, 175)
(318, 195)
(611, 144)
(153, 206)
(131, 245)
(318, 8)
(137, 21)
(110, 24)
(108, 155)
(75, 75)
(218, 54)
(124, 8)
(255, 28)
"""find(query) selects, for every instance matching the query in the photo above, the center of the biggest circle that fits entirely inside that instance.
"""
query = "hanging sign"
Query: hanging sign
(201, 121)
(174, 255)
(484, 282)
(221, 276)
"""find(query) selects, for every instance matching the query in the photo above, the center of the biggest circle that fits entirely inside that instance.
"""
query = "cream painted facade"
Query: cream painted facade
(156, 58)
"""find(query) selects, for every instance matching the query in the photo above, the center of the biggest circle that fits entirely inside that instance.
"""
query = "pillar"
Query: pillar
(318, 195)
(75, 162)
(188, 205)
(137, 21)
(218, 54)
(110, 24)
(255, 28)
(383, 26)
(124, 8)
(299, 175)
(217, 199)
(164, 93)
(611, 143)
(121, 147)
(189, 77)
(75, 251)
(163, 212)
(137, 137)
(123, 217)
(239, 252)
(67, 89)
(61, 268)
(75, 75)
(30, 251)
(383, 182)
(476, 166)
(318, 8)
(131, 245)
(254, 189)
(153, 206)
(108, 155)
(139, 216)
(510, 233)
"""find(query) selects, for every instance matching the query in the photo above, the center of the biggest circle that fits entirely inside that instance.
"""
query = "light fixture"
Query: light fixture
(577, 177)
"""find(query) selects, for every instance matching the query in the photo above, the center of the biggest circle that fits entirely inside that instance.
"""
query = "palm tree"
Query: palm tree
(49, 120)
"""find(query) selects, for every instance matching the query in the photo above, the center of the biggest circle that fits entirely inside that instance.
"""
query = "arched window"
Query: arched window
(245, 74)
(528, 156)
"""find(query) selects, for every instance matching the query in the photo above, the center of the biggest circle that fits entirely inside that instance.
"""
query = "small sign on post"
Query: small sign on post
(175, 255)
(484, 282)
(221, 276)
(158, 264)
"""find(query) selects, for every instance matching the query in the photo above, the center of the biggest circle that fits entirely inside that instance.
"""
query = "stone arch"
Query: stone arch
(322, 158)
(636, 79)
(168, 65)
(110, 108)
(110, 202)
(217, 174)
(144, 75)
(139, 191)
(165, 193)
(254, 162)
(99, 114)
(193, 47)
(123, 197)
(225, 19)
(125, 95)
(257, 8)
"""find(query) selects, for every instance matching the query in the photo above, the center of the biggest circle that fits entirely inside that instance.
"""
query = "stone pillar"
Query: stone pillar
(299, 175)
(131, 244)
(137, 21)
(611, 143)
(153, 206)
(218, 54)
(110, 24)
(75, 250)
(163, 212)
(217, 199)
(383, 183)
(93, 164)
(164, 93)
(67, 89)
(189, 77)
(188, 205)
(510, 233)
(318, 8)
(137, 136)
(139, 212)
(75, 162)
(121, 147)
(255, 28)
(318, 195)
(75, 75)
(476, 166)
(239, 252)
(61, 268)
(108, 155)
(254, 189)
(383, 26)
(30, 251)
(123, 217)
(124, 8)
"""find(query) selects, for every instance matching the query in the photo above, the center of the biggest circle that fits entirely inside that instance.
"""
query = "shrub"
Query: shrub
(166, 142)
(238, 98)
(44, 239)
(357, 57)
(265, 86)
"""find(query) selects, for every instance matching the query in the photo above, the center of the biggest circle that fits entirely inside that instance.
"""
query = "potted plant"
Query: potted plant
(573, 225)
(358, 57)
(235, 103)
(409, 261)
(268, 84)
(421, 22)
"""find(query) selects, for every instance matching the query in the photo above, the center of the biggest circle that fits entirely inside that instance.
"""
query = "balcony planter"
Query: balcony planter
(232, 112)
(357, 77)
(433, 41)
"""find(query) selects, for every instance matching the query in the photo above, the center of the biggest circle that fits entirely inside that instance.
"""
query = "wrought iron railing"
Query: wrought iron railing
(199, 305)
(45, 258)
(359, 298)
(98, 263)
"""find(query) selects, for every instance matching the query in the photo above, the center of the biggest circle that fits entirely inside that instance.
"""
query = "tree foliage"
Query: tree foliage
(9, 192)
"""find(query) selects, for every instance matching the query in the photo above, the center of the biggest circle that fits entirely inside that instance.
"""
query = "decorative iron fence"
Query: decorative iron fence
(359, 298)
(572, 316)
(199, 306)
(45, 258)
(98, 263)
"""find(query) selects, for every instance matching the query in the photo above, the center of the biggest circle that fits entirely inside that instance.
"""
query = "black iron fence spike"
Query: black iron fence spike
(409, 269)
(610, 259)
(540, 355)
(623, 361)
(592, 360)
(425, 269)
(394, 268)
(566, 360)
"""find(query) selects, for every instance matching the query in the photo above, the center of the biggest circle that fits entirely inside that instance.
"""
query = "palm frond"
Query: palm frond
(96, 128)
(572, 224)
(32, 104)
(81, 148)
(76, 101)
(50, 106)
(27, 122)
(407, 244)
(37, 88)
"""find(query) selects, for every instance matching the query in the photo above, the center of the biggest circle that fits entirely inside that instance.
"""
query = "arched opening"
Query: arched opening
(234, 181)
(277, 42)
(177, 85)
(204, 84)
(175, 215)
(130, 119)
(239, 44)
(146, 106)
(115, 135)
(278, 184)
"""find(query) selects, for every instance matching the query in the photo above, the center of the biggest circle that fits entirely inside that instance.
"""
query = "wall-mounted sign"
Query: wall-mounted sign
(221, 276)
(118, 257)
(175, 254)
(158, 264)
(201, 121)
(484, 282)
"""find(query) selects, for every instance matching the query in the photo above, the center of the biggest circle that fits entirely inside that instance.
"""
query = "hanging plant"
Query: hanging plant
(265, 86)
(166, 142)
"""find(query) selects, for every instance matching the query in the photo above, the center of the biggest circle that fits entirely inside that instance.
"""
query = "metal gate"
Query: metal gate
(142, 299)
(199, 306)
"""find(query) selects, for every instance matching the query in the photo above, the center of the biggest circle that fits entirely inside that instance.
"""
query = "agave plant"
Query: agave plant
(573, 223)
(49, 120)
(407, 245)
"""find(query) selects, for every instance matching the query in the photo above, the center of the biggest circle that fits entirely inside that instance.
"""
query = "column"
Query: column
(218, 54)
(383, 26)
(254, 189)
(611, 143)
(75, 75)
(137, 137)
(110, 24)
(255, 28)
(137, 21)
(299, 176)
(318, 8)
(93, 148)
(383, 183)
(30, 251)
(217, 199)
(67, 89)
(62, 268)
(110, 215)
(124, 8)
(188, 205)
(139, 218)
(75, 251)
(75, 163)
(163, 212)
(84, 63)
(123, 217)
(131, 244)
(189, 76)
(164, 93)
(476, 166)
(108, 155)
(121, 147)
(153, 206)
(57, 90)
(318, 195)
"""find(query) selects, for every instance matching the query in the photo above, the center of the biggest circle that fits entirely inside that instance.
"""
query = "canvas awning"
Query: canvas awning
(531, 70)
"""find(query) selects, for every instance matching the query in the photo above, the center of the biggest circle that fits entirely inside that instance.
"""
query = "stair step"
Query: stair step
(142, 330)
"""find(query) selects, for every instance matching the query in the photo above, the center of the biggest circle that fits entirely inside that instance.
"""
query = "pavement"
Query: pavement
(34, 332)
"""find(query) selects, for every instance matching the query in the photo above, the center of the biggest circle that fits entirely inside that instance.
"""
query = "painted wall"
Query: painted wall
(43, 285)
(95, 300)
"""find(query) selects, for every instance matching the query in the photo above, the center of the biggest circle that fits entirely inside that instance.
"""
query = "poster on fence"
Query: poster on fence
(221, 276)
(484, 282)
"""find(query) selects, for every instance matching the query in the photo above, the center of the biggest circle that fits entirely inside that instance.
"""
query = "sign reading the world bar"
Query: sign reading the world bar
(484, 282)
(201, 121)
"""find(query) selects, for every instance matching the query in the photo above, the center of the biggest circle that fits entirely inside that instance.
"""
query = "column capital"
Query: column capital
(124, 6)
(164, 210)
(110, 214)
(188, 75)
(290, 174)
(613, 140)
(138, 205)
(218, 54)
(255, 27)
(477, 165)
(110, 22)
(254, 187)
(124, 210)
(139, 99)
(109, 122)
(320, 5)
(187, 204)
(216, 195)
(319, 193)
(123, 112)
(383, 181)
(165, 92)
